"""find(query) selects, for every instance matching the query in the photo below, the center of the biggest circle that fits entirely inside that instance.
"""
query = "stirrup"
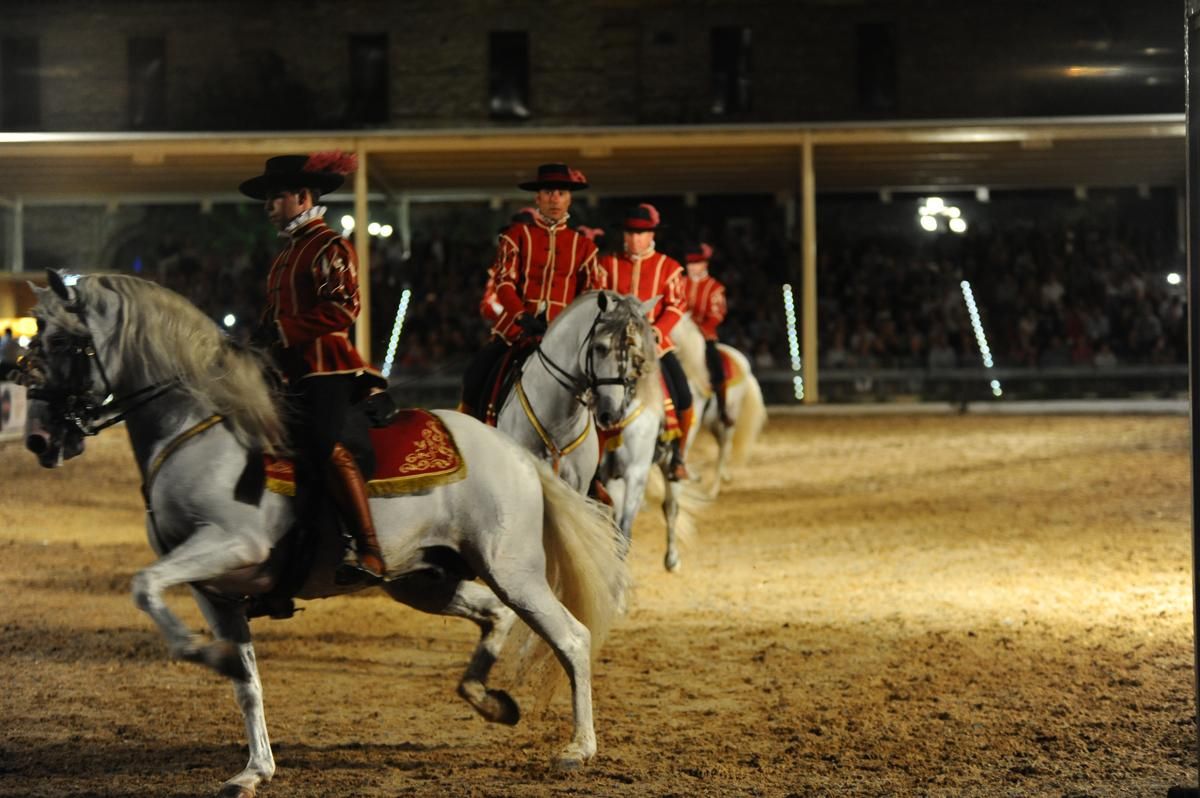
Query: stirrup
(351, 571)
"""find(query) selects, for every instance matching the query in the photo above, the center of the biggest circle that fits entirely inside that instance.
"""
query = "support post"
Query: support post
(362, 246)
(808, 192)
(1192, 121)
(16, 244)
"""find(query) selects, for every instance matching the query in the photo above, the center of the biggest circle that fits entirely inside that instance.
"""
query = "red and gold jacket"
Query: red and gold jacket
(541, 263)
(312, 297)
(652, 275)
(706, 303)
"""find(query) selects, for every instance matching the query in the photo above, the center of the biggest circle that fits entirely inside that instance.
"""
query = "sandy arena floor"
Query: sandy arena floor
(951, 606)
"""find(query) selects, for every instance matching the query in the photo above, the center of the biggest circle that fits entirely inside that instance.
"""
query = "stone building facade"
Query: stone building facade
(75, 65)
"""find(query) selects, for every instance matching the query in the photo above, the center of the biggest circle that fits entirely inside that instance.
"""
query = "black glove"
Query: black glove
(531, 326)
(265, 336)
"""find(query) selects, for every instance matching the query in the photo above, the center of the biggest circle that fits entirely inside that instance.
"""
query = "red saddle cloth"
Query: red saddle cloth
(733, 372)
(413, 453)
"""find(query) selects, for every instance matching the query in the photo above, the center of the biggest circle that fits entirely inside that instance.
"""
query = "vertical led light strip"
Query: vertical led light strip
(980, 338)
(397, 326)
(789, 312)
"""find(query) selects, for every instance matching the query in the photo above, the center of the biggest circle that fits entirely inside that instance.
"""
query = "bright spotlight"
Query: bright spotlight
(789, 314)
(935, 204)
(985, 353)
(929, 223)
(373, 228)
(347, 222)
(229, 320)
(951, 211)
(397, 326)
(1174, 278)
(958, 225)
(385, 230)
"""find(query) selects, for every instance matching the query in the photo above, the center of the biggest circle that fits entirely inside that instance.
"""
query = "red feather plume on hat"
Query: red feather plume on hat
(576, 175)
(335, 161)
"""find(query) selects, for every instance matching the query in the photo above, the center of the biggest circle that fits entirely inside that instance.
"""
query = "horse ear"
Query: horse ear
(650, 304)
(58, 285)
(602, 301)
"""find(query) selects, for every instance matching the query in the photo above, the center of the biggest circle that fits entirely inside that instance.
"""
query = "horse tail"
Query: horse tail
(751, 417)
(584, 562)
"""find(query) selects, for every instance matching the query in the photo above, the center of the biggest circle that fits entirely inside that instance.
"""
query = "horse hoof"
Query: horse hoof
(671, 562)
(502, 708)
(222, 656)
(569, 763)
(235, 791)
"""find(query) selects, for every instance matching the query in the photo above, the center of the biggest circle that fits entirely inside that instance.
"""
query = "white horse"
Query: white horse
(743, 402)
(199, 414)
(583, 372)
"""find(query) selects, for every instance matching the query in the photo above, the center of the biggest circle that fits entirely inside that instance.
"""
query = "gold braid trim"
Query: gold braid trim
(173, 447)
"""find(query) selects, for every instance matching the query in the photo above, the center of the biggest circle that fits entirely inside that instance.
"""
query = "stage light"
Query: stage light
(789, 313)
(347, 222)
(957, 226)
(373, 228)
(929, 223)
(935, 204)
(1174, 278)
(985, 352)
(397, 326)
(385, 231)
(229, 320)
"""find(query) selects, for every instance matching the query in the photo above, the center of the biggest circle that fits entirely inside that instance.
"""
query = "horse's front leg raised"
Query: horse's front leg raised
(210, 552)
(228, 623)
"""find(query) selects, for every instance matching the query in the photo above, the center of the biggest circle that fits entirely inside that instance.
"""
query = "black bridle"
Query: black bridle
(74, 402)
(584, 388)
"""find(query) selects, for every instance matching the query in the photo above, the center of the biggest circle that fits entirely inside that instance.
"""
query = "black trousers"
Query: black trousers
(477, 377)
(716, 369)
(677, 384)
(320, 415)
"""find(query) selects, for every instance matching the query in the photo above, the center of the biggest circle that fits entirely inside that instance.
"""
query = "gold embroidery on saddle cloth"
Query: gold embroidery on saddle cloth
(430, 460)
(434, 461)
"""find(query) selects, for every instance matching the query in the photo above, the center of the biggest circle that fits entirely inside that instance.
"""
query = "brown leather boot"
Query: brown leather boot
(350, 492)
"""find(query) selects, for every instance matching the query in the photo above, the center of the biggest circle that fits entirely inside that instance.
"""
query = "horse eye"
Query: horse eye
(602, 350)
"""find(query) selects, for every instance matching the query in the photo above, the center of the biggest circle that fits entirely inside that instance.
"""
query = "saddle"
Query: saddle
(413, 452)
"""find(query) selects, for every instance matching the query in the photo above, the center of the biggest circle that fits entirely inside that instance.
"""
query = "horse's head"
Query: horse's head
(65, 382)
(621, 351)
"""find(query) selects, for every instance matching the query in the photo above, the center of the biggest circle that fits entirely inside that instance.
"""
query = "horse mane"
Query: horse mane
(184, 344)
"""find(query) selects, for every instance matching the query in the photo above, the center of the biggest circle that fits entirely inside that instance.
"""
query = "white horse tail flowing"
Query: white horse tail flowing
(583, 556)
(751, 414)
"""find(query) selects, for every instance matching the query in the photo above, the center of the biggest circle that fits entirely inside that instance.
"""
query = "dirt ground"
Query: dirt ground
(877, 606)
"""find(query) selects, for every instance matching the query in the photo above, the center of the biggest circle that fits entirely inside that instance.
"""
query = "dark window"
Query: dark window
(368, 80)
(147, 83)
(730, 50)
(508, 74)
(877, 66)
(20, 90)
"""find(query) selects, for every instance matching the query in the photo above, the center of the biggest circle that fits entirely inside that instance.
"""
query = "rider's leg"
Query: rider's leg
(474, 394)
(350, 491)
(716, 377)
(681, 397)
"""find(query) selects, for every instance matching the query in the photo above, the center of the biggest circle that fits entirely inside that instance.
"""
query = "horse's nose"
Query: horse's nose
(37, 442)
(605, 417)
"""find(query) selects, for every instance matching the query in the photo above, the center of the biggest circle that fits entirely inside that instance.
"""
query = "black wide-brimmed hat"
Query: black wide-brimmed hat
(322, 171)
(555, 176)
(642, 218)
